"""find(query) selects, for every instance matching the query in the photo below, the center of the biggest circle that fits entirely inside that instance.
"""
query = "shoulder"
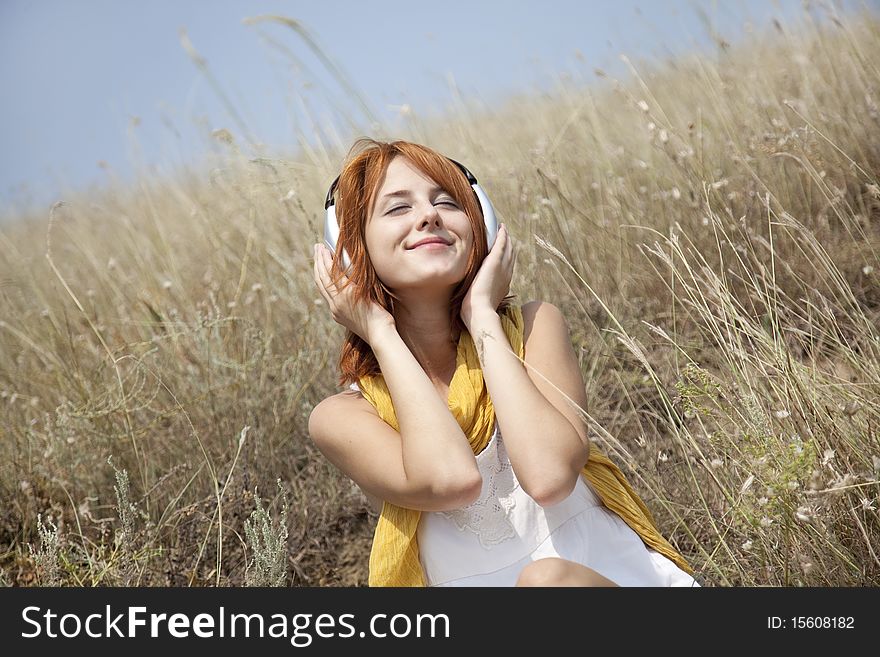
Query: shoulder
(543, 321)
(341, 406)
(348, 399)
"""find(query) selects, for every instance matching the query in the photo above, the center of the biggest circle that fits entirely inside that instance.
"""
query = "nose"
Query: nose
(428, 216)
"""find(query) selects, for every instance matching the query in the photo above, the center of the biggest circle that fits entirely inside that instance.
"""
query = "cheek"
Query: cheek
(469, 238)
(379, 245)
(374, 240)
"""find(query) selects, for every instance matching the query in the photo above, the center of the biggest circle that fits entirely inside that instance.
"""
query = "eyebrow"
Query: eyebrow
(406, 192)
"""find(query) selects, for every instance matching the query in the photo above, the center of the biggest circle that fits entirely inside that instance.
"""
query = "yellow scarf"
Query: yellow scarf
(394, 559)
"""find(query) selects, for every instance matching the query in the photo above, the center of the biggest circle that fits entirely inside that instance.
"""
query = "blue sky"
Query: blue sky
(101, 89)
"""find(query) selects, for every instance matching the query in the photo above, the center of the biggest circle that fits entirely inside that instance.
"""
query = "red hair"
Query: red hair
(356, 191)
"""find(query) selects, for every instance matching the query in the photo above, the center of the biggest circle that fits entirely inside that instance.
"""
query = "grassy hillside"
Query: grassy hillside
(710, 227)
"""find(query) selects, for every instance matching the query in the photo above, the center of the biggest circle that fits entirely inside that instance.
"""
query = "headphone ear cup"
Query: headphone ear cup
(331, 235)
(489, 218)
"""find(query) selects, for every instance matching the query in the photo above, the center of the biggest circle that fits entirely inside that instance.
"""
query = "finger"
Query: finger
(319, 266)
(328, 289)
(509, 247)
(324, 257)
(500, 241)
(328, 263)
(328, 299)
(320, 282)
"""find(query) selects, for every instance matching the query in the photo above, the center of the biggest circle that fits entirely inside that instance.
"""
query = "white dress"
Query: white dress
(488, 542)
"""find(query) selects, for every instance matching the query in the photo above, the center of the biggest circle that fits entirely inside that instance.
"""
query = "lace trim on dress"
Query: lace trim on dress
(489, 516)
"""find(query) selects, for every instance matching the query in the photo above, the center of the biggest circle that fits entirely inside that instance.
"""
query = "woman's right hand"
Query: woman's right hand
(365, 318)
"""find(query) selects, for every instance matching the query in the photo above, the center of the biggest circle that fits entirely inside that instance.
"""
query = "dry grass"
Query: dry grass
(710, 228)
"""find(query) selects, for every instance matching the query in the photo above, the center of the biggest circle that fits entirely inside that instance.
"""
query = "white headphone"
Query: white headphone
(331, 225)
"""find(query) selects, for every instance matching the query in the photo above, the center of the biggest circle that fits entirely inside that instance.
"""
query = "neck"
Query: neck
(425, 327)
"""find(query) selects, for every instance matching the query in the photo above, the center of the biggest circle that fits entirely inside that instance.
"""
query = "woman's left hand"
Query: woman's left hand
(492, 282)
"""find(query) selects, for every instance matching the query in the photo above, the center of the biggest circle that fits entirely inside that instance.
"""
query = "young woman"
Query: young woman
(461, 415)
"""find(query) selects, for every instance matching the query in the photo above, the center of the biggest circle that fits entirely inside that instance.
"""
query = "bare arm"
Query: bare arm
(349, 432)
(428, 464)
(434, 448)
(545, 438)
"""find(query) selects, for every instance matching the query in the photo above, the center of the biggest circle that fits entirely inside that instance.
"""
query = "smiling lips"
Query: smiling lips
(430, 242)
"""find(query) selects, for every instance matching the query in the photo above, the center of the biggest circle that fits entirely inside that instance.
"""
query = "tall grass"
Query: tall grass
(710, 227)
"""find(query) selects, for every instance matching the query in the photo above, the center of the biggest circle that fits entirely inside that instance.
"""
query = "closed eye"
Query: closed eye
(403, 207)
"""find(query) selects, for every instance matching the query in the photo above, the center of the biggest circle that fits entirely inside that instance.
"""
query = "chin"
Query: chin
(427, 279)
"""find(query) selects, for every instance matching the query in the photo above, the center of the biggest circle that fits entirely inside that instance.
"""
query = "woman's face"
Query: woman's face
(409, 208)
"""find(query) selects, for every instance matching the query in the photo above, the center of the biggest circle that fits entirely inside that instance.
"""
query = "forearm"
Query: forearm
(435, 450)
(545, 450)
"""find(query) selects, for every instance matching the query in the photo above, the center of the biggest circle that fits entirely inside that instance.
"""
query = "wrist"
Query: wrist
(381, 335)
(484, 318)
